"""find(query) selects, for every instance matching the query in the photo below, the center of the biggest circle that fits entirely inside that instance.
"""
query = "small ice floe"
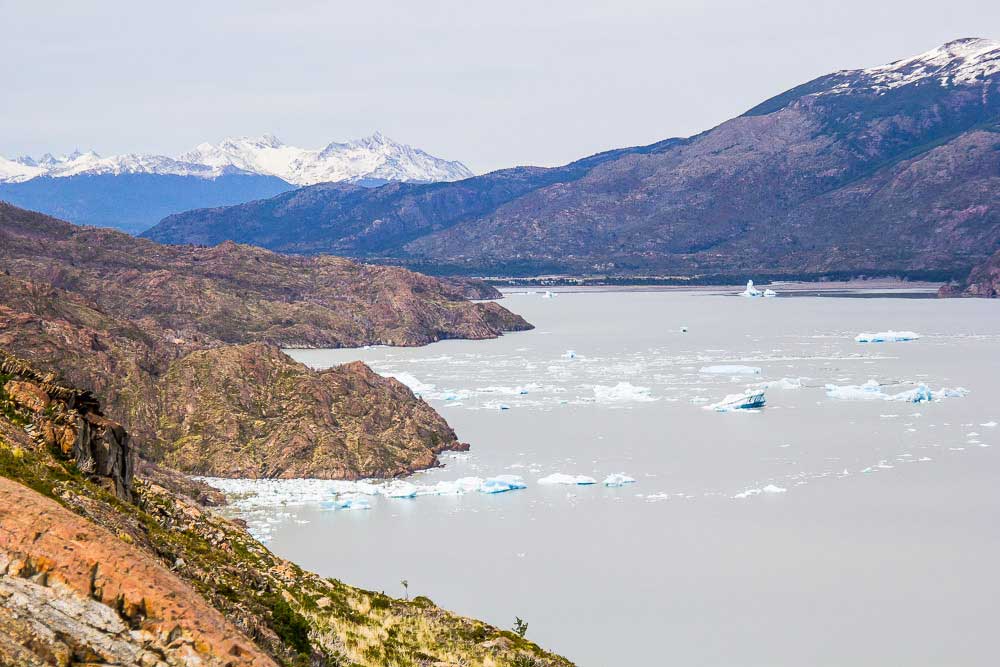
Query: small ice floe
(502, 484)
(569, 354)
(751, 291)
(772, 488)
(750, 400)
(684, 329)
(989, 424)
(768, 293)
(547, 294)
(730, 369)
(562, 478)
(783, 383)
(347, 503)
(887, 337)
(623, 392)
(618, 479)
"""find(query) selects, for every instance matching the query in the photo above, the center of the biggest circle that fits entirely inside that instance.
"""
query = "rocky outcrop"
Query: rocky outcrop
(239, 294)
(69, 420)
(73, 593)
(86, 579)
(983, 281)
(114, 314)
(252, 411)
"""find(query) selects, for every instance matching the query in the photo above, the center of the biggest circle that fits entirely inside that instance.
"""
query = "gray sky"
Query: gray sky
(493, 84)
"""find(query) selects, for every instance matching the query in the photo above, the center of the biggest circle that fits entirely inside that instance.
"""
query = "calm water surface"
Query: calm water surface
(884, 547)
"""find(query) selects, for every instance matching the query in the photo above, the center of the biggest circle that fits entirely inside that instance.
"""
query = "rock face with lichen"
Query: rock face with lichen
(252, 411)
(90, 578)
(983, 281)
(69, 421)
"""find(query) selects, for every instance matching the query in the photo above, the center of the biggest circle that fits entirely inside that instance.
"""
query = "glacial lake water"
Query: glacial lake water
(877, 541)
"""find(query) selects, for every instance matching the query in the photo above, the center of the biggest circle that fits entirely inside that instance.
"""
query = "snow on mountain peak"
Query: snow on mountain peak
(375, 157)
(959, 62)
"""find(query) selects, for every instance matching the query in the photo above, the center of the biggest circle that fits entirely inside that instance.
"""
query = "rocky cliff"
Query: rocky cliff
(252, 411)
(983, 281)
(87, 578)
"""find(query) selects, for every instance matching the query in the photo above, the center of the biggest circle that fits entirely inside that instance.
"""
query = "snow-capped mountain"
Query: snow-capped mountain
(959, 62)
(375, 158)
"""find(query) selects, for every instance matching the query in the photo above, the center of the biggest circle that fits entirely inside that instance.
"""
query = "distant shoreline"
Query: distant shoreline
(872, 285)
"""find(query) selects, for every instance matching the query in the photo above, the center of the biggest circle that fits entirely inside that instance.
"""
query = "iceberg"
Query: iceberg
(548, 295)
(569, 354)
(502, 484)
(887, 337)
(783, 383)
(348, 503)
(771, 488)
(730, 369)
(621, 392)
(750, 400)
(400, 490)
(751, 290)
(561, 478)
(770, 293)
(618, 479)
(872, 390)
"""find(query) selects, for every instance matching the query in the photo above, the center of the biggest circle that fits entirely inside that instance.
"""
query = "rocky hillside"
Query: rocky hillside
(983, 281)
(158, 330)
(100, 569)
(892, 169)
(251, 411)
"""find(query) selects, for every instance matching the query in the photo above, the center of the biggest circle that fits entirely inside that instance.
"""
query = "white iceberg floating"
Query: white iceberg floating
(730, 369)
(771, 488)
(618, 479)
(621, 393)
(749, 400)
(547, 294)
(989, 424)
(349, 502)
(887, 337)
(562, 478)
(569, 354)
(502, 484)
(770, 293)
(751, 291)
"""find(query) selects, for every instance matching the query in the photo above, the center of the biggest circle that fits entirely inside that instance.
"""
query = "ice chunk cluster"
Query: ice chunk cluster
(873, 391)
(886, 337)
(752, 291)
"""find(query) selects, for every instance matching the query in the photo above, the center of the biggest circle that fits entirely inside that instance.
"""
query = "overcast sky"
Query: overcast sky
(493, 84)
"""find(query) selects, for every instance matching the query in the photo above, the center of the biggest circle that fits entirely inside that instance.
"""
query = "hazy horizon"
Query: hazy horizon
(489, 86)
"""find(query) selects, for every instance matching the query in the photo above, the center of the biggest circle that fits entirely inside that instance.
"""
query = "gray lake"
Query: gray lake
(834, 526)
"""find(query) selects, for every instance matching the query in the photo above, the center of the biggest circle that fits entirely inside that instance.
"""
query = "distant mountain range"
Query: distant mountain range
(891, 169)
(133, 191)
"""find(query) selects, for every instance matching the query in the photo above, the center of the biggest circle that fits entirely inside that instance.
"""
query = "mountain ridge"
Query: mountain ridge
(817, 180)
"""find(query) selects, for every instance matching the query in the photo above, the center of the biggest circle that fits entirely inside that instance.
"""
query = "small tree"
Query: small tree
(406, 588)
(520, 626)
